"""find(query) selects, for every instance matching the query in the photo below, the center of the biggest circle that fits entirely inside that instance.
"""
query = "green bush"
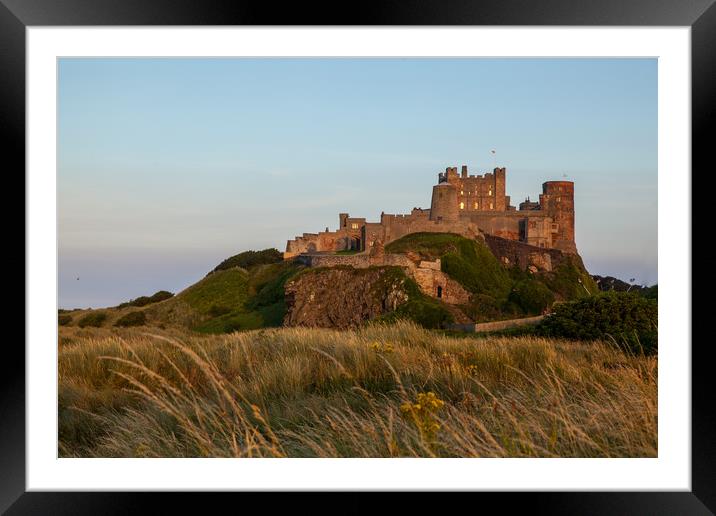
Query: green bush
(92, 319)
(269, 284)
(570, 280)
(147, 300)
(233, 321)
(217, 310)
(532, 296)
(251, 258)
(424, 311)
(630, 319)
(651, 292)
(64, 319)
(484, 308)
(136, 318)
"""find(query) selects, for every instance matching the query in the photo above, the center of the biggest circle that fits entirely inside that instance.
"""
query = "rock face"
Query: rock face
(511, 252)
(343, 297)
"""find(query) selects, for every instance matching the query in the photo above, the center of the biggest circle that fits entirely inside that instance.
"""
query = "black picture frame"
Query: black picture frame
(17, 15)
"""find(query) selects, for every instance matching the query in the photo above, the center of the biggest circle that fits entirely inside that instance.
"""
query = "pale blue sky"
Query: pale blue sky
(168, 166)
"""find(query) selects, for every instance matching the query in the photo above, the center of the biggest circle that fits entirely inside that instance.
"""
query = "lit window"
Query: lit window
(474, 206)
(490, 205)
(354, 225)
(490, 192)
(461, 192)
(462, 205)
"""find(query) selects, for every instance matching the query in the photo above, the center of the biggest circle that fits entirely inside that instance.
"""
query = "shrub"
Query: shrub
(217, 310)
(629, 318)
(160, 296)
(270, 284)
(484, 308)
(651, 292)
(570, 280)
(147, 300)
(424, 311)
(136, 318)
(64, 319)
(532, 296)
(250, 258)
(231, 322)
(92, 319)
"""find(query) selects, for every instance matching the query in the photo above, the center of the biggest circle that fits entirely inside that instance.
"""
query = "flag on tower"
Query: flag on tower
(492, 151)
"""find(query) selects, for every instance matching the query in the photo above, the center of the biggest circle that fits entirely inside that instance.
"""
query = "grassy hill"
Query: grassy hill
(247, 291)
(232, 299)
(227, 299)
(498, 292)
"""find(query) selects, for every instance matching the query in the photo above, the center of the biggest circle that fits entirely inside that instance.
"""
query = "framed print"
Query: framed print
(418, 250)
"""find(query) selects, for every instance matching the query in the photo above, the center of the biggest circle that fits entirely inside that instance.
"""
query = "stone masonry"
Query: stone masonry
(469, 205)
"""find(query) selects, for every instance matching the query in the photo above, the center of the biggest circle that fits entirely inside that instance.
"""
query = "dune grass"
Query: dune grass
(380, 391)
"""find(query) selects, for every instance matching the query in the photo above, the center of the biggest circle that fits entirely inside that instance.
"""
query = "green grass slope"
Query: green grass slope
(498, 292)
(237, 299)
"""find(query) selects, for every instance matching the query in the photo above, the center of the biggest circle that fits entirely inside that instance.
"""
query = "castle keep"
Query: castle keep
(468, 205)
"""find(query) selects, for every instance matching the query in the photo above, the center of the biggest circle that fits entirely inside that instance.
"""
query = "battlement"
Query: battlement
(462, 203)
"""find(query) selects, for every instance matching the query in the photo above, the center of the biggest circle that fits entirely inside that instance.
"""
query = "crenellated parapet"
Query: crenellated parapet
(461, 203)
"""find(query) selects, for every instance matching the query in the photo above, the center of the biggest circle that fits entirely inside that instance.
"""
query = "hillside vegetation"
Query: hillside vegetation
(630, 319)
(248, 291)
(237, 299)
(226, 300)
(378, 391)
(249, 259)
(498, 292)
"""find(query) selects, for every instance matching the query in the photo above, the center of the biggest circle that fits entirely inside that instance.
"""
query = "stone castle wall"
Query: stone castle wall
(464, 204)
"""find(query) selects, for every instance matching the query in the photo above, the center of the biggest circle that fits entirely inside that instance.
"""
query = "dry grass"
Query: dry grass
(321, 393)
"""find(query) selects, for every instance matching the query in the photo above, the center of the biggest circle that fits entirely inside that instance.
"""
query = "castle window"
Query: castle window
(474, 205)
(491, 206)
(461, 192)
(354, 225)
(489, 192)
(462, 205)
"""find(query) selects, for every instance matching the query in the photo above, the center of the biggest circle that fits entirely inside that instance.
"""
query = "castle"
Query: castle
(468, 205)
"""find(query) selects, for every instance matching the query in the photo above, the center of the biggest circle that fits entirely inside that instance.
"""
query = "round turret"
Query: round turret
(444, 204)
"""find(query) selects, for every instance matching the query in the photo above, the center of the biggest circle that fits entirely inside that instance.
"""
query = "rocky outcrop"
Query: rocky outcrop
(525, 256)
(344, 297)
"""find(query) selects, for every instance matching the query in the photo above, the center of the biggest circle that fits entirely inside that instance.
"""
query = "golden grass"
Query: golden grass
(322, 393)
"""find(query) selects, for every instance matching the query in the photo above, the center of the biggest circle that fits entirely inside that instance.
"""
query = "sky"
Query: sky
(168, 166)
